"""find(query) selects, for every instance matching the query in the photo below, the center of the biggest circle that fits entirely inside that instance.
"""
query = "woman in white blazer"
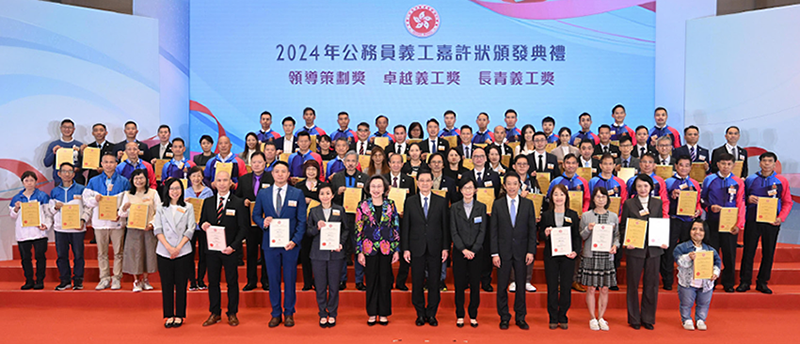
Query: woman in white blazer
(173, 226)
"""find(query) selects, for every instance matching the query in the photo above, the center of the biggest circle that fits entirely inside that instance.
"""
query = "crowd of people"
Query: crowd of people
(476, 200)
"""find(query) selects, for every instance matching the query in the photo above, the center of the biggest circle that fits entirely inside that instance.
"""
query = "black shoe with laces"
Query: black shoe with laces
(63, 286)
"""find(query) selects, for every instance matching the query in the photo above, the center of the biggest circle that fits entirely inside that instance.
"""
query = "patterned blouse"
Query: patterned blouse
(375, 234)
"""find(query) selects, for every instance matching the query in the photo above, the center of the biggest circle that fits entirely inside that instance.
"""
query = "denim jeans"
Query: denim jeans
(688, 297)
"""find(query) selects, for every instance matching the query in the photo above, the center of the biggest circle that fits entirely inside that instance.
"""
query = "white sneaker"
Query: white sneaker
(104, 284)
(115, 284)
(146, 285)
(688, 325)
(530, 288)
(137, 286)
(512, 287)
(593, 325)
(603, 324)
(701, 325)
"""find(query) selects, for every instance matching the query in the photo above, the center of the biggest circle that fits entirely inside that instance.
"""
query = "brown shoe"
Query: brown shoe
(233, 320)
(275, 321)
(289, 321)
(578, 287)
(212, 319)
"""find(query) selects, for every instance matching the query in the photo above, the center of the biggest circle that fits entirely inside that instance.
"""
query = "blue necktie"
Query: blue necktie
(513, 211)
(279, 203)
(425, 207)
(694, 156)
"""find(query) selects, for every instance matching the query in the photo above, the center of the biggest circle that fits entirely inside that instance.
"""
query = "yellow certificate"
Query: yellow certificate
(767, 209)
(451, 140)
(687, 203)
(513, 145)
(550, 146)
(703, 264)
(197, 204)
(30, 213)
(485, 196)
(635, 231)
(576, 201)
(185, 183)
(543, 178)
(351, 198)
(310, 205)
(137, 216)
(91, 158)
(412, 141)
(537, 200)
(664, 171)
(698, 172)
(381, 142)
(107, 208)
(585, 173)
(248, 168)
(442, 193)
(482, 145)
(737, 168)
(159, 167)
(71, 216)
(728, 218)
(253, 207)
(398, 195)
(63, 155)
(505, 160)
(313, 146)
(363, 160)
(468, 164)
(285, 157)
(614, 204)
(615, 143)
(626, 173)
(223, 166)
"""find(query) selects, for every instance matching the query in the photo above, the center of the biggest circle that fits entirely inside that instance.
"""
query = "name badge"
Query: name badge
(76, 197)
(594, 170)
(292, 204)
(683, 186)
(110, 187)
(478, 219)
(335, 212)
(772, 192)
(230, 212)
(613, 132)
(614, 155)
(445, 189)
(441, 148)
(168, 154)
(741, 157)
(702, 157)
(567, 219)
(181, 210)
(611, 192)
(731, 190)
(549, 166)
(180, 165)
(488, 183)
(459, 176)
(314, 189)
(264, 185)
(644, 212)
(359, 185)
(141, 153)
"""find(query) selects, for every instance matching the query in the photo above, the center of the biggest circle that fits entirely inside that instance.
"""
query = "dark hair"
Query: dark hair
(164, 126)
(690, 127)
(706, 236)
(564, 190)
(463, 127)
(67, 120)
(606, 156)
(510, 111)
(768, 155)
(448, 112)
(617, 106)
(196, 169)
(640, 128)
(570, 156)
(207, 138)
(645, 178)
(266, 113)
(539, 133)
(135, 173)
(269, 143)
(411, 128)
(309, 108)
(303, 133)
(432, 120)
(324, 186)
(464, 181)
(383, 180)
(27, 174)
(343, 113)
(484, 114)
(130, 122)
(625, 137)
(167, 185)
(511, 174)
(384, 165)
(597, 190)
(341, 139)
(178, 139)
(65, 164)
(108, 153)
(424, 171)
(379, 117)
(660, 108)
(363, 124)
(288, 119)
(548, 119)
(682, 157)
(100, 124)
(324, 137)
(261, 154)
(399, 126)
(584, 114)
(311, 163)
(725, 157)
(732, 127)
(604, 126)
(590, 142)
(561, 131)
(522, 141)
(280, 163)
(648, 155)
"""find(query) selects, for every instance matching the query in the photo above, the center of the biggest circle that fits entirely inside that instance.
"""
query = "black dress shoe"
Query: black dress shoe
(265, 286)
(342, 285)
(306, 288)
(614, 288)
(473, 323)
(636, 326)
(433, 321)
(93, 241)
(402, 287)
(38, 286)
(728, 289)
(763, 288)
(372, 323)
(383, 323)
(168, 323)
(249, 287)
(668, 287)
(648, 326)
(523, 325)
(201, 285)
(420, 321)
(361, 286)
(177, 323)
(743, 287)
(488, 288)
(503, 325)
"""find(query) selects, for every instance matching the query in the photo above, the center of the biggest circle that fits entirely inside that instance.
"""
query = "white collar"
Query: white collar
(729, 147)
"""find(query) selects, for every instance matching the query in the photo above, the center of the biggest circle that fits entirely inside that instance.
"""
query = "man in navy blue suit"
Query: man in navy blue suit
(691, 149)
(281, 201)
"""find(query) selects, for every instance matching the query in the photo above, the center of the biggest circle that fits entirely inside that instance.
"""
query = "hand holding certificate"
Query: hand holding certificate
(767, 210)
(91, 158)
(658, 232)
(215, 235)
(63, 155)
(71, 216)
(703, 265)
(560, 241)
(279, 233)
(137, 216)
(687, 203)
(30, 214)
(635, 231)
(727, 218)
(329, 236)
(602, 235)
(107, 208)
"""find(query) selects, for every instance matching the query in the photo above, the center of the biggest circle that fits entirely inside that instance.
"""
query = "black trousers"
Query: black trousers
(676, 228)
(254, 237)
(503, 276)
(39, 247)
(174, 275)
(638, 267)
(433, 263)
(63, 243)
(378, 276)
(487, 267)
(402, 273)
(726, 244)
(468, 273)
(769, 239)
(199, 242)
(305, 260)
(216, 261)
(559, 272)
(327, 286)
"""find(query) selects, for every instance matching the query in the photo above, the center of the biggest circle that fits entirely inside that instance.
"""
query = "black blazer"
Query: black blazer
(155, 150)
(489, 179)
(718, 152)
(236, 225)
(506, 150)
(315, 215)
(404, 182)
(245, 188)
(338, 180)
(312, 194)
(441, 145)
(513, 241)
(392, 148)
(701, 154)
(460, 149)
(549, 220)
(407, 168)
(550, 164)
(279, 144)
(451, 185)
(630, 209)
(595, 167)
(419, 234)
(370, 145)
(612, 149)
(635, 152)
(468, 232)
(107, 147)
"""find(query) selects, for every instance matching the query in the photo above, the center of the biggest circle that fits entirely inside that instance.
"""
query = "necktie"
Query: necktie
(220, 209)
(433, 143)
(664, 161)
(513, 212)
(735, 156)
(425, 207)
(394, 184)
(605, 149)
(466, 152)
(541, 163)
(362, 148)
(279, 203)
(624, 163)
(257, 184)
(693, 154)
(642, 152)
(397, 149)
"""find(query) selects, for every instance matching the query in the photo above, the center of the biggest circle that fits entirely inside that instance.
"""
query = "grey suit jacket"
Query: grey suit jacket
(315, 215)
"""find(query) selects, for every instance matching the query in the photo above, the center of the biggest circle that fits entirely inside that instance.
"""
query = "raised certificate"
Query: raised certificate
(698, 171)
(30, 214)
(576, 201)
(626, 173)
(664, 171)
(543, 178)
(71, 216)
(137, 216)
(485, 196)
(614, 204)
(728, 217)
(215, 235)
(635, 231)
(197, 204)
(381, 142)
(279, 233)
(329, 236)
(63, 155)
(107, 208)
(159, 168)
(223, 166)
(658, 229)
(560, 241)
(767, 209)
(687, 203)
(585, 173)
(703, 264)
(602, 235)
(398, 195)
(537, 200)
(351, 198)
(91, 158)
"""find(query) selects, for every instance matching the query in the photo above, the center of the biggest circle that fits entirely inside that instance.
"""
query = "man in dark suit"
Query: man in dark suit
(249, 186)
(350, 177)
(500, 134)
(465, 146)
(691, 149)
(226, 210)
(626, 159)
(586, 159)
(513, 244)
(131, 130)
(434, 143)
(541, 160)
(731, 147)
(163, 150)
(642, 261)
(401, 180)
(641, 147)
(287, 143)
(664, 148)
(605, 146)
(281, 202)
(362, 146)
(99, 132)
(484, 178)
(400, 144)
(425, 241)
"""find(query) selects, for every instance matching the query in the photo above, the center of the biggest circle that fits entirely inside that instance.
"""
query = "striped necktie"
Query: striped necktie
(220, 209)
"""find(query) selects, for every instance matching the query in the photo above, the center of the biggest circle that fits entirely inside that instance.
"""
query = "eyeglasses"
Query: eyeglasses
(67, 171)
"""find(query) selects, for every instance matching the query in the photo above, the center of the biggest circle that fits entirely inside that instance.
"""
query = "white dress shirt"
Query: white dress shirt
(400, 147)
(732, 151)
(288, 144)
(360, 145)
